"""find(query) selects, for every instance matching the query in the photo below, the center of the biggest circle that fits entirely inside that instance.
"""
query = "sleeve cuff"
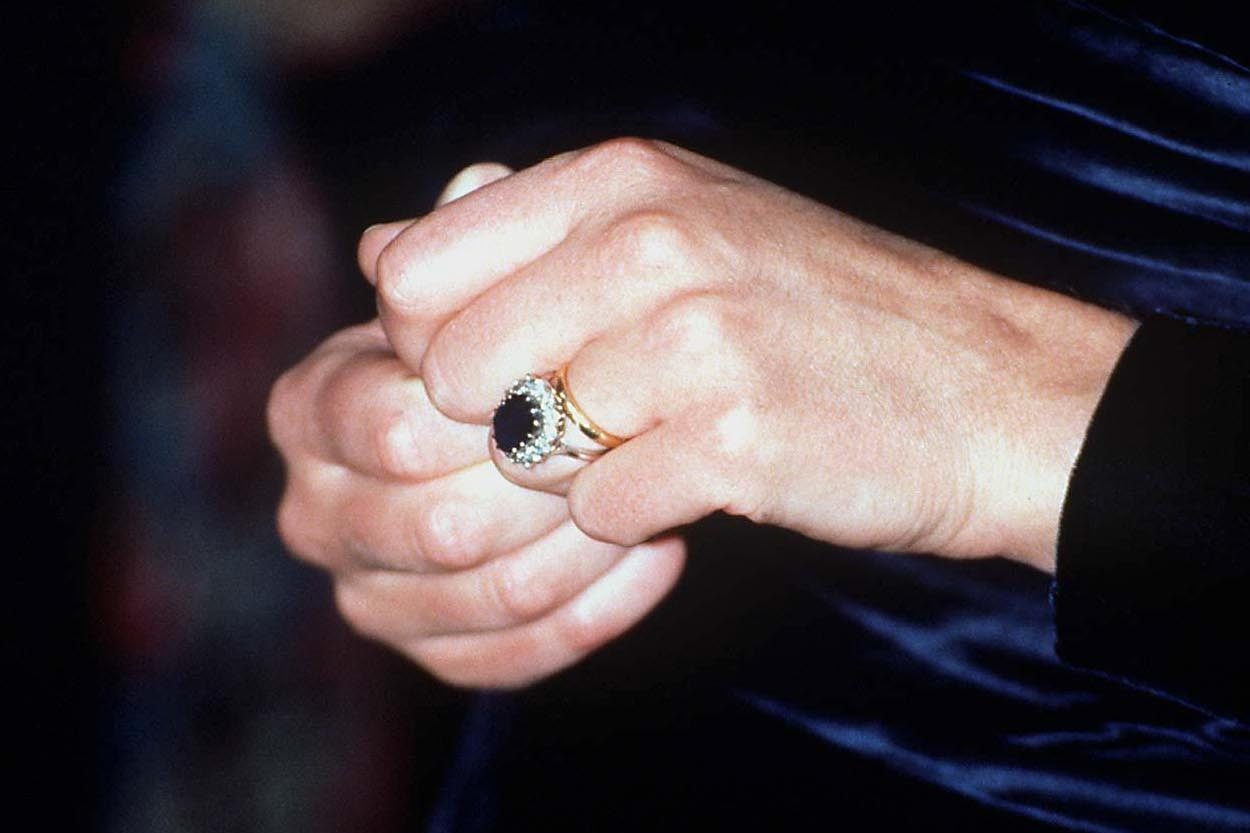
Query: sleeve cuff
(1153, 571)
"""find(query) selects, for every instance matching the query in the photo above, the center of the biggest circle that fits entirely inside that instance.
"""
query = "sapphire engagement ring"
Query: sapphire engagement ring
(533, 420)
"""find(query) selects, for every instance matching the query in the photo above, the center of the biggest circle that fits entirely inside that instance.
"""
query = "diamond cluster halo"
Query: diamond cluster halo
(529, 423)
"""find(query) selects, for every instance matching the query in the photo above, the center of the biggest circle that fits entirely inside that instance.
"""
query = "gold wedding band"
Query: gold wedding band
(575, 413)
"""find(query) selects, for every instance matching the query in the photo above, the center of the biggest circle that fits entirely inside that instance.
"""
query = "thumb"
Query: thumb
(470, 179)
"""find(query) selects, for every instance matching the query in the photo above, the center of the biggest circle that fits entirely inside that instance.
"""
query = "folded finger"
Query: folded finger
(680, 360)
(449, 524)
(444, 260)
(684, 356)
(672, 475)
(603, 611)
(542, 315)
(372, 415)
(506, 592)
(553, 475)
(291, 412)
(377, 237)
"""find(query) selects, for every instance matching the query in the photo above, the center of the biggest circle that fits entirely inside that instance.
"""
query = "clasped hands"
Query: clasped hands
(768, 357)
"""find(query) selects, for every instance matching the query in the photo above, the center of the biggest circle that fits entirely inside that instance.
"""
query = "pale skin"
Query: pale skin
(768, 357)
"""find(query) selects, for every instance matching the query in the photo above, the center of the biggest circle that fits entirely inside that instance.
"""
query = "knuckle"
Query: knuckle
(734, 438)
(628, 155)
(445, 535)
(695, 325)
(737, 472)
(522, 595)
(650, 237)
(395, 445)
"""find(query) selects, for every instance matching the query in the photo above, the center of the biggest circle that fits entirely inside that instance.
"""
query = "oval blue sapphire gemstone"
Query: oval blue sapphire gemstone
(514, 423)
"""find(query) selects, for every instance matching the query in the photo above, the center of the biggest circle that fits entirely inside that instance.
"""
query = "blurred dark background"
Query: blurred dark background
(188, 182)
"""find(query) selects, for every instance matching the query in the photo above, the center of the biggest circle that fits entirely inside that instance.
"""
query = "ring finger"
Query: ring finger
(680, 361)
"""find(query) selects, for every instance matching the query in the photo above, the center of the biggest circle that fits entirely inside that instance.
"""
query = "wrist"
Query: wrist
(1072, 351)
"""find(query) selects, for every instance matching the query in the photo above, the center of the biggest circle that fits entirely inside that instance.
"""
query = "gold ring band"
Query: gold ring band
(578, 417)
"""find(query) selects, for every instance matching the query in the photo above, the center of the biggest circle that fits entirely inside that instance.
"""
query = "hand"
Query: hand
(769, 356)
(430, 549)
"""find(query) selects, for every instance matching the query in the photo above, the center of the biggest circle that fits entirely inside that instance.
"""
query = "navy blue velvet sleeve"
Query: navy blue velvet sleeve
(1153, 578)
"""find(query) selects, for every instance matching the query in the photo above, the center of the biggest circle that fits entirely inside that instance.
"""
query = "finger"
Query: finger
(443, 260)
(289, 412)
(291, 393)
(450, 524)
(436, 266)
(672, 475)
(682, 358)
(304, 523)
(602, 612)
(372, 241)
(470, 179)
(553, 475)
(344, 522)
(372, 415)
(377, 237)
(506, 592)
(538, 318)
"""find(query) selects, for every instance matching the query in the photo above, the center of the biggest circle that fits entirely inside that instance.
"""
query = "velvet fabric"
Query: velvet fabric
(788, 685)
